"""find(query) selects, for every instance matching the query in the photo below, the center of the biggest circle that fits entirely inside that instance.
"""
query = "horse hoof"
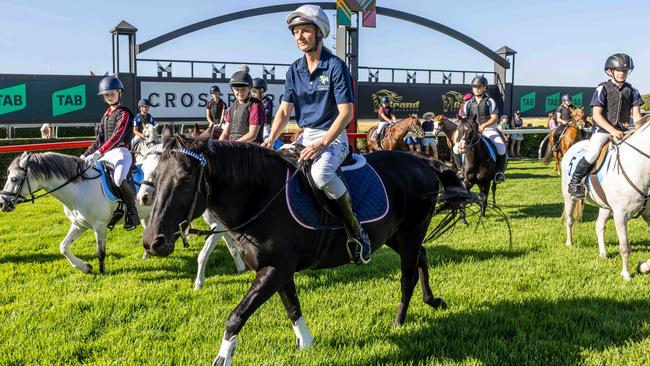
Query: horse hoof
(440, 304)
(602, 255)
(89, 268)
(626, 276)
(219, 361)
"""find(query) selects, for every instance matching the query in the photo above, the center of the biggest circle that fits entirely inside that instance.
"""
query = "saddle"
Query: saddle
(112, 192)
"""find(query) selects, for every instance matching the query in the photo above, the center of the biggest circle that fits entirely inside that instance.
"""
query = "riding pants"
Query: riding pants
(494, 135)
(324, 166)
(121, 160)
(596, 141)
(381, 125)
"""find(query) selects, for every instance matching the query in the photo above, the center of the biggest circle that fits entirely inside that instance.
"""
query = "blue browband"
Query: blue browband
(194, 154)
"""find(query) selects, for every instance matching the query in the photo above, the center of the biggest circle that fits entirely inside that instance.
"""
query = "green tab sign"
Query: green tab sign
(552, 102)
(577, 99)
(13, 98)
(68, 100)
(527, 102)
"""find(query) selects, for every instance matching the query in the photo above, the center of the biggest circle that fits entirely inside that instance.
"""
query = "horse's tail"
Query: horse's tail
(576, 212)
(549, 149)
(453, 199)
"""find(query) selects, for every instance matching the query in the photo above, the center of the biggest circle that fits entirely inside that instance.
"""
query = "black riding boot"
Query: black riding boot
(358, 244)
(576, 188)
(131, 219)
(458, 160)
(500, 177)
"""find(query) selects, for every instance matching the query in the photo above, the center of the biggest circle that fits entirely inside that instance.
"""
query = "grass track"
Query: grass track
(539, 303)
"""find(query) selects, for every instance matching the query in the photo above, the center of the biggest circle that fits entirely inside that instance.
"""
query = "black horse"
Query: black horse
(478, 167)
(240, 181)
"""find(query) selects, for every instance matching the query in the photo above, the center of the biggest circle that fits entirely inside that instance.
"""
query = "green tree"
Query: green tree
(646, 102)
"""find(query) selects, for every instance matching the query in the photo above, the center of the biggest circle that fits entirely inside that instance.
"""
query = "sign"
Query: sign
(527, 102)
(188, 99)
(68, 100)
(577, 100)
(13, 98)
(343, 14)
(552, 102)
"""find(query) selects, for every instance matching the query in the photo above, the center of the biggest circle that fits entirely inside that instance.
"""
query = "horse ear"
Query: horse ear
(203, 141)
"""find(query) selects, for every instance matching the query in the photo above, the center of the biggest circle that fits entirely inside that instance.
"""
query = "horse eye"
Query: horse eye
(185, 180)
(14, 179)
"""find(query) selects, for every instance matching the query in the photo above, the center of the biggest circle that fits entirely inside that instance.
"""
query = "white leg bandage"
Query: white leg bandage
(302, 333)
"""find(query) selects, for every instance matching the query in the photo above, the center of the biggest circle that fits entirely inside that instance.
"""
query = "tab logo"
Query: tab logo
(578, 99)
(552, 102)
(13, 98)
(527, 102)
(68, 100)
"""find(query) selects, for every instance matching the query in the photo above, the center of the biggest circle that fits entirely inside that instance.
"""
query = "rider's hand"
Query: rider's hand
(618, 134)
(312, 151)
(91, 159)
(268, 143)
(481, 128)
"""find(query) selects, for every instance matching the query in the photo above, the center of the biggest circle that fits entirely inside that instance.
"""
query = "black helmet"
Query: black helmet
(109, 83)
(479, 80)
(385, 99)
(260, 84)
(241, 78)
(215, 89)
(619, 61)
(144, 103)
(566, 97)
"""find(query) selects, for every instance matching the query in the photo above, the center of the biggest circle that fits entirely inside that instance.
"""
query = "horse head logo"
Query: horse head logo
(392, 96)
(452, 101)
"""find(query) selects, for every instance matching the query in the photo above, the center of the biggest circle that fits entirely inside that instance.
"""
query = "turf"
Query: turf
(537, 303)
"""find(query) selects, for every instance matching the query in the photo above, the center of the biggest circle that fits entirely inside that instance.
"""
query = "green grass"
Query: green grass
(539, 303)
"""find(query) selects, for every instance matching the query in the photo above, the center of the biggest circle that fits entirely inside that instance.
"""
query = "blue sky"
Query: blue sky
(558, 42)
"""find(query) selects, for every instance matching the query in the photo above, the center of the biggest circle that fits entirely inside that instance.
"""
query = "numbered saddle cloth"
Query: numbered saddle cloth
(369, 197)
(111, 192)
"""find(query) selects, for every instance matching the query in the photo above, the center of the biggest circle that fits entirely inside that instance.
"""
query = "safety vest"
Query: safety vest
(565, 112)
(479, 112)
(619, 103)
(239, 120)
(109, 123)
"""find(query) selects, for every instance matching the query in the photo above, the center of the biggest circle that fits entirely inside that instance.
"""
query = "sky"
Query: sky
(562, 43)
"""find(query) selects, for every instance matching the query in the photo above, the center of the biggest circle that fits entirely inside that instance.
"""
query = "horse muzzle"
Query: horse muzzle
(6, 205)
(159, 247)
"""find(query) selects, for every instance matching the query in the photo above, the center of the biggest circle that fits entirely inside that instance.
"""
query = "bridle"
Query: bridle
(19, 198)
(476, 138)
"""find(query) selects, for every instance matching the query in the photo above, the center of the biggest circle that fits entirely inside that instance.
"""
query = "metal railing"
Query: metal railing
(409, 75)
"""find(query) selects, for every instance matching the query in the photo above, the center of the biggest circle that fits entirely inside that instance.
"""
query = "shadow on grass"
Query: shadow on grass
(48, 257)
(549, 210)
(528, 176)
(508, 333)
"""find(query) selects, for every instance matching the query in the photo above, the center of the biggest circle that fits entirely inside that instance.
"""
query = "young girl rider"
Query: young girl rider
(245, 118)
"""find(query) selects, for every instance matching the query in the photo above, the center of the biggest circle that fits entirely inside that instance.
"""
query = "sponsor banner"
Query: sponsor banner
(416, 98)
(188, 99)
(54, 98)
(537, 101)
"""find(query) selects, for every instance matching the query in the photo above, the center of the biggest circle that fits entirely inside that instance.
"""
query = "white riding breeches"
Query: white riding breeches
(324, 166)
(381, 125)
(596, 141)
(121, 160)
(494, 135)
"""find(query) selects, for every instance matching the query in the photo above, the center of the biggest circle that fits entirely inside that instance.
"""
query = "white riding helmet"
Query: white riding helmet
(310, 14)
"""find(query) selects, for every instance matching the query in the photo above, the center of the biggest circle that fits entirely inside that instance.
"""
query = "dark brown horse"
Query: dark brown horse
(241, 181)
(568, 138)
(394, 134)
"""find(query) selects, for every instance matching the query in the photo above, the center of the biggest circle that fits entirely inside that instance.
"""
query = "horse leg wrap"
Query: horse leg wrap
(303, 336)
(227, 350)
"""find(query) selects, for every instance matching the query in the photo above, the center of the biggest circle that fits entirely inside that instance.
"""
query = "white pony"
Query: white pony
(146, 145)
(624, 186)
(145, 198)
(80, 192)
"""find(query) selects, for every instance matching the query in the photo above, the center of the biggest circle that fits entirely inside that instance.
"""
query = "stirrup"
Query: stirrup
(356, 251)
(130, 226)
(578, 191)
(499, 177)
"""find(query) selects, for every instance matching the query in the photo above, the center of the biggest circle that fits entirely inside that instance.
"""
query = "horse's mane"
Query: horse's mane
(45, 165)
(235, 162)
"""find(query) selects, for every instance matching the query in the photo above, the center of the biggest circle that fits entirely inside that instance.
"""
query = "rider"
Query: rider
(215, 109)
(245, 118)
(611, 105)
(562, 117)
(386, 116)
(114, 134)
(483, 111)
(319, 86)
(259, 91)
(141, 119)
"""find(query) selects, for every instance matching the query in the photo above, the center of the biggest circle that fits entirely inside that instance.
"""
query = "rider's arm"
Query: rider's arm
(223, 114)
(558, 117)
(383, 115)
(601, 121)
(494, 115)
(340, 123)
(636, 114)
(137, 132)
(208, 116)
(255, 121)
(225, 135)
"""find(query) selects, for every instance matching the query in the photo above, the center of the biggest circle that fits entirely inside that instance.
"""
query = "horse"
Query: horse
(568, 137)
(142, 148)
(621, 188)
(478, 167)
(240, 182)
(78, 189)
(145, 198)
(394, 134)
(449, 128)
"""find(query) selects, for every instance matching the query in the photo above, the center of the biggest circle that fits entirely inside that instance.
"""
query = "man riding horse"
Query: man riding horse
(319, 87)
(482, 110)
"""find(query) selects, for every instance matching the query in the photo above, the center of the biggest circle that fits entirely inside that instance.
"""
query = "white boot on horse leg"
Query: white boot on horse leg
(226, 352)
(73, 233)
(623, 246)
(203, 257)
(303, 336)
(601, 221)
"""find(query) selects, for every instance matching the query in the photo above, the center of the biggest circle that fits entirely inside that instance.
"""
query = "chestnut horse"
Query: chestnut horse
(394, 134)
(568, 138)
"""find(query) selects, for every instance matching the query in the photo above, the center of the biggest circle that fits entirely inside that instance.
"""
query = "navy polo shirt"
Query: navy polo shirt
(315, 96)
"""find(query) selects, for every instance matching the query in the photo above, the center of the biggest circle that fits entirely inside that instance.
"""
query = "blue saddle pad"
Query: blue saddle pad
(137, 174)
(490, 147)
(369, 197)
(601, 170)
